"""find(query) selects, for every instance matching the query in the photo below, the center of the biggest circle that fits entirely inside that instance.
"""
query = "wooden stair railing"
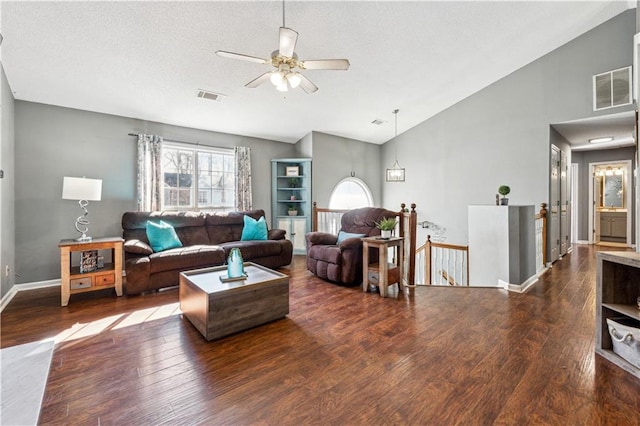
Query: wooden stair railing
(541, 237)
(329, 220)
(448, 262)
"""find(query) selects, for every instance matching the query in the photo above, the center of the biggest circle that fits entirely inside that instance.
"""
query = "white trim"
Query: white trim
(27, 286)
(582, 242)
(525, 286)
(575, 180)
(8, 297)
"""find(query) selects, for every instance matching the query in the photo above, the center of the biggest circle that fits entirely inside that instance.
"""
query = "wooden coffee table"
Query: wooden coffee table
(218, 308)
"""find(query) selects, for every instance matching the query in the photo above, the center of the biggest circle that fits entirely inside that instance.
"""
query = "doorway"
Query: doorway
(610, 203)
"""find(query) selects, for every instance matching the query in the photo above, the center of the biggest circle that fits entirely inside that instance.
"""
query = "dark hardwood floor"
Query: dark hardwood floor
(443, 356)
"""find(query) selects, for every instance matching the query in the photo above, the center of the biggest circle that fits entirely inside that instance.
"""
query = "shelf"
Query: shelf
(628, 310)
(618, 360)
(289, 177)
(293, 217)
(292, 189)
(292, 201)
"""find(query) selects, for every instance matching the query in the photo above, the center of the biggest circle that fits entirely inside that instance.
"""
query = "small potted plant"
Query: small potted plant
(386, 226)
(293, 210)
(293, 182)
(504, 190)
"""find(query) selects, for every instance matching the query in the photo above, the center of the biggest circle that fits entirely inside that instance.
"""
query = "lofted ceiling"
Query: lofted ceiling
(147, 60)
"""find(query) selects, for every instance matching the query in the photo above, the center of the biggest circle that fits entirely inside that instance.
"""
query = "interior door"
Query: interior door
(597, 190)
(554, 206)
(564, 204)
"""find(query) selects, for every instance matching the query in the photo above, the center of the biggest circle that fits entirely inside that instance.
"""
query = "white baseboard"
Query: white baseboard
(519, 288)
(26, 286)
(582, 242)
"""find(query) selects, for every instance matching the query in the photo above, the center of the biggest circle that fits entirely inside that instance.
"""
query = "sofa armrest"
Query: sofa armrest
(351, 243)
(137, 247)
(276, 234)
(321, 238)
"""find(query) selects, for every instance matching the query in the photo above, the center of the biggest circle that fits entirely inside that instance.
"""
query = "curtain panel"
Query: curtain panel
(149, 172)
(243, 178)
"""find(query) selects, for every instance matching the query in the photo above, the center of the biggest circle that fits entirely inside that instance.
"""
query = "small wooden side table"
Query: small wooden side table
(74, 281)
(388, 273)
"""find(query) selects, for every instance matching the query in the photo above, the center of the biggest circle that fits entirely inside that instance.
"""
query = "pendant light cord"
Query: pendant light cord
(395, 112)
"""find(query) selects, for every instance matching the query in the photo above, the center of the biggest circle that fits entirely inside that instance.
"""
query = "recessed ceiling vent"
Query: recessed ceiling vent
(210, 95)
(378, 122)
(612, 89)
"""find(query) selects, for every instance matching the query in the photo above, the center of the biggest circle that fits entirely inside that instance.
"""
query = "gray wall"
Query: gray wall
(583, 158)
(500, 135)
(53, 142)
(7, 184)
(335, 157)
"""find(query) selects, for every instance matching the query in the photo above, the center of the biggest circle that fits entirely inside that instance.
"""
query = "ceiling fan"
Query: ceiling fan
(286, 61)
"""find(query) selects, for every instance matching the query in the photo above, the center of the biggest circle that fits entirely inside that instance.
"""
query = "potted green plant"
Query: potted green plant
(293, 210)
(504, 190)
(293, 182)
(386, 226)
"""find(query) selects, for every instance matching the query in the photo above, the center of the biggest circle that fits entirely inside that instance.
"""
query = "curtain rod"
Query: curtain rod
(171, 140)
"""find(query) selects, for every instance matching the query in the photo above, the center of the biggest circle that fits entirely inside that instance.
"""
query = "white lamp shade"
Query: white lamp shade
(81, 189)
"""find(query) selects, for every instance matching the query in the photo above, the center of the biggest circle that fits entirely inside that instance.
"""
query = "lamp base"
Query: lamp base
(83, 238)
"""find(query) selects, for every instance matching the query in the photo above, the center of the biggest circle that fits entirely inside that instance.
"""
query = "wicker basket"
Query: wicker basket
(626, 339)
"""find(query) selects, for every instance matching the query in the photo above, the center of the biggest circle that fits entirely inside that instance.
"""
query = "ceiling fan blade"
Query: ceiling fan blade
(258, 81)
(241, 57)
(288, 39)
(325, 64)
(307, 85)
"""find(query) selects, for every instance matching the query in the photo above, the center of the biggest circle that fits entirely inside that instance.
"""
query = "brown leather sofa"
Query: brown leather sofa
(206, 241)
(342, 263)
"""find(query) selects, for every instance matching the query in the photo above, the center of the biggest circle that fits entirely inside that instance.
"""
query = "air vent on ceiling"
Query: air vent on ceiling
(612, 89)
(210, 95)
(378, 122)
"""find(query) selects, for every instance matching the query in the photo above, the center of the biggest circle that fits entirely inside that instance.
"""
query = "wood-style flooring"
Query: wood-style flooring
(443, 356)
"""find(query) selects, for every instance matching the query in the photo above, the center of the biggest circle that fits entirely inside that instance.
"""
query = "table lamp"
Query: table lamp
(83, 190)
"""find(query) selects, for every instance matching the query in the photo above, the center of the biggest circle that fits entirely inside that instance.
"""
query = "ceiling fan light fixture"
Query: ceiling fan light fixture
(294, 79)
(276, 78)
(282, 87)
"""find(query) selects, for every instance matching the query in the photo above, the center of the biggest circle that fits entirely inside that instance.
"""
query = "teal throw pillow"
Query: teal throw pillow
(162, 236)
(254, 229)
(344, 235)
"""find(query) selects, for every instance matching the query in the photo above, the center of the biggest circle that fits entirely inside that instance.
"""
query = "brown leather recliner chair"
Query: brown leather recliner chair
(338, 258)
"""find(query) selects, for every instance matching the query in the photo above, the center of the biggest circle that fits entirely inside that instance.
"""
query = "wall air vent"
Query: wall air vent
(210, 95)
(612, 89)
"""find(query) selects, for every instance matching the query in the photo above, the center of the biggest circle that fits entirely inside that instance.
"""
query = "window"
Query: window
(350, 193)
(198, 178)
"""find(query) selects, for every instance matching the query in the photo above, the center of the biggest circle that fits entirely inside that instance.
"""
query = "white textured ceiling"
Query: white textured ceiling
(147, 59)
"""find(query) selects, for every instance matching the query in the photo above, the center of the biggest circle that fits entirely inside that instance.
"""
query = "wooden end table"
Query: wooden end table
(74, 281)
(388, 273)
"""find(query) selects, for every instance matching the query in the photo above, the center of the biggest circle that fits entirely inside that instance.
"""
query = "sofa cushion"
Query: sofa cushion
(254, 229)
(182, 258)
(162, 236)
(254, 249)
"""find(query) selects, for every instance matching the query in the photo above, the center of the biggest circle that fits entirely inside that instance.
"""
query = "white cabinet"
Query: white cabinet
(296, 228)
(613, 225)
